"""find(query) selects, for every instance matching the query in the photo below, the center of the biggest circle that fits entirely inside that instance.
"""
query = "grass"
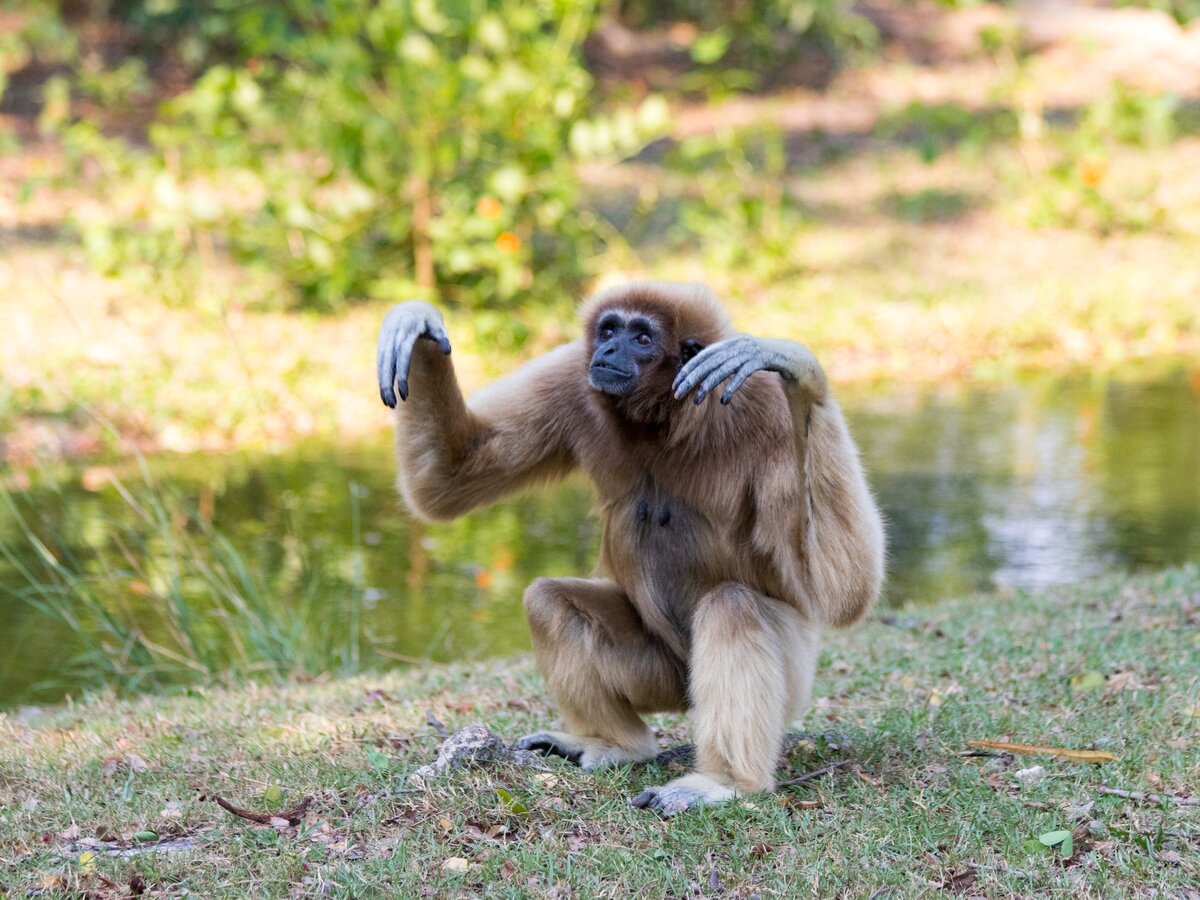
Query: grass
(899, 698)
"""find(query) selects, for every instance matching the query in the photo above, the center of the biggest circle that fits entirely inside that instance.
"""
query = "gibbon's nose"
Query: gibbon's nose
(610, 349)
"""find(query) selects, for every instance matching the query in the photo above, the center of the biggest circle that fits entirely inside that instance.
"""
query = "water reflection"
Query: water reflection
(1032, 484)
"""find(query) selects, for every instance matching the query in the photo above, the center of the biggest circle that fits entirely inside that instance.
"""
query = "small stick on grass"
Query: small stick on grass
(436, 724)
(1150, 798)
(293, 815)
(815, 773)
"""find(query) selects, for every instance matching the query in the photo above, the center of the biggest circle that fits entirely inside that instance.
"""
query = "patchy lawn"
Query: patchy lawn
(109, 797)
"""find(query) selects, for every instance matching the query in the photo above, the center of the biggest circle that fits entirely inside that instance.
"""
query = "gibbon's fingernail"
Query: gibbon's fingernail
(725, 400)
(700, 398)
(444, 346)
(403, 390)
(642, 800)
(388, 398)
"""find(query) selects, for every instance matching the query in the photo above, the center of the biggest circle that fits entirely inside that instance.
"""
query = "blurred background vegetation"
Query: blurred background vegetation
(206, 207)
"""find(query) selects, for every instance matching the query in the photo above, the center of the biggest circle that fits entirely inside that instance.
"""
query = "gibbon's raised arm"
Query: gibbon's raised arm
(454, 456)
(841, 531)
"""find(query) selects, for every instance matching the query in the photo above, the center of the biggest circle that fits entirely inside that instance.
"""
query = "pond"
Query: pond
(1024, 485)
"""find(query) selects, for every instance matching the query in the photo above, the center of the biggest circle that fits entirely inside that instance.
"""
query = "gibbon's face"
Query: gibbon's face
(627, 346)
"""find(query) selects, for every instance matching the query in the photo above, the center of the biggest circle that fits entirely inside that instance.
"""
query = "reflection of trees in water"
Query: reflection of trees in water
(1034, 484)
(1029, 484)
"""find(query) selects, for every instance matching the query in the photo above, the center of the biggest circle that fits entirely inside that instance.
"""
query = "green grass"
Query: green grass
(899, 700)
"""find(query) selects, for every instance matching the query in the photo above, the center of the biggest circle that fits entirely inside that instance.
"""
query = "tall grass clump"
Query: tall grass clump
(166, 601)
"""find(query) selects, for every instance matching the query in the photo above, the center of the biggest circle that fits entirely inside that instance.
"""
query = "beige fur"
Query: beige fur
(768, 533)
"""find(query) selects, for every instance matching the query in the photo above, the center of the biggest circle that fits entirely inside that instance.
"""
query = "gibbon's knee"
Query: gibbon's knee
(732, 610)
(541, 605)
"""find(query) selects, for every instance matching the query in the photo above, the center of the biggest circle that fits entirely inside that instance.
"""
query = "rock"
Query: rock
(475, 746)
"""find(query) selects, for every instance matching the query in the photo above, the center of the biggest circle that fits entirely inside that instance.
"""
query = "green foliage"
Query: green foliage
(376, 150)
(747, 44)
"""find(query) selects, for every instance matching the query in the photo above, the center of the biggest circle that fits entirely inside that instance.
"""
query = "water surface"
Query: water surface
(1026, 485)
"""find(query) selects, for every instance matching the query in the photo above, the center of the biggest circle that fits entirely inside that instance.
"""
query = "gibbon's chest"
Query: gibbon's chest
(664, 551)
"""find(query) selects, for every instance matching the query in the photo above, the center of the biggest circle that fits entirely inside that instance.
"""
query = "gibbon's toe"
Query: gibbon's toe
(549, 745)
(684, 793)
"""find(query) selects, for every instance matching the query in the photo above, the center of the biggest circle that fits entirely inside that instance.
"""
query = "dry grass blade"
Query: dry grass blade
(1083, 756)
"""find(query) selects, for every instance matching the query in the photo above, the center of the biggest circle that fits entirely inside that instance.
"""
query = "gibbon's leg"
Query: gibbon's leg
(751, 671)
(601, 668)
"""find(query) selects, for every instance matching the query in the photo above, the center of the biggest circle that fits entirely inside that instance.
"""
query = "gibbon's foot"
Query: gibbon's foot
(684, 793)
(587, 753)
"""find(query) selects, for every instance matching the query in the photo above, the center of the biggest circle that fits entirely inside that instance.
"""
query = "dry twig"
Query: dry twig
(293, 815)
(1150, 798)
(815, 773)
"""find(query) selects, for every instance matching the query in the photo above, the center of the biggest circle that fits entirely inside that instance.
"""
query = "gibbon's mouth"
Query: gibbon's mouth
(610, 380)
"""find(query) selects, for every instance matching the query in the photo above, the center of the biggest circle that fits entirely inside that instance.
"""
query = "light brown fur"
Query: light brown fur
(732, 534)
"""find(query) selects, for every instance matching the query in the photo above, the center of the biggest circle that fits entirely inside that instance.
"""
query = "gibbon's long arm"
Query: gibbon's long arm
(454, 456)
(841, 531)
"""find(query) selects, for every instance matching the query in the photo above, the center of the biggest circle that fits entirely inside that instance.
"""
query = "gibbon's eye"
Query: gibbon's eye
(606, 332)
(644, 339)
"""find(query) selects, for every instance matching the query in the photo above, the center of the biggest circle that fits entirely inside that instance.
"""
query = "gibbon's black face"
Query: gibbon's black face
(627, 346)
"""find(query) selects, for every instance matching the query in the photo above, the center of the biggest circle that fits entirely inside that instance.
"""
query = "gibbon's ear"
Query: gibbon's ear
(688, 349)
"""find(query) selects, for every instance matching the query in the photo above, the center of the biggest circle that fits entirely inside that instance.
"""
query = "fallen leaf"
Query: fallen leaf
(1119, 681)
(959, 881)
(1064, 840)
(1087, 681)
(279, 823)
(455, 864)
(1083, 756)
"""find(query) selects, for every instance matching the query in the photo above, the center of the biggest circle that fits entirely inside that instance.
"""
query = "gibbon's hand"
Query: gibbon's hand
(402, 326)
(739, 358)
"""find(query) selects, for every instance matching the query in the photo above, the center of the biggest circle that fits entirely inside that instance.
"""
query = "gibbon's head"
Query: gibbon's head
(638, 335)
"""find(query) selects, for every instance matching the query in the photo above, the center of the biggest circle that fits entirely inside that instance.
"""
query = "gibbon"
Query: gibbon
(734, 531)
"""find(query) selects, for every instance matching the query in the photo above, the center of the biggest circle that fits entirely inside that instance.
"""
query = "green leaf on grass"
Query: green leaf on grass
(273, 795)
(1061, 839)
(379, 761)
(512, 803)
(145, 836)
(1087, 681)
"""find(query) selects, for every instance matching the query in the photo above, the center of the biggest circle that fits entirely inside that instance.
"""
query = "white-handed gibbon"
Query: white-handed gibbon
(734, 531)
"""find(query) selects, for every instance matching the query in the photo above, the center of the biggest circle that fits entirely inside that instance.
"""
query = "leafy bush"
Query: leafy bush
(365, 149)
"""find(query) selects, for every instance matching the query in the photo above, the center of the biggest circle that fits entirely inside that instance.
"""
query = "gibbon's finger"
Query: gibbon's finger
(705, 359)
(739, 379)
(405, 341)
(385, 364)
(715, 377)
(701, 365)
(436, 332)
